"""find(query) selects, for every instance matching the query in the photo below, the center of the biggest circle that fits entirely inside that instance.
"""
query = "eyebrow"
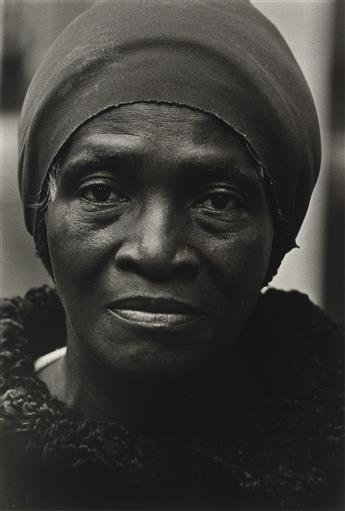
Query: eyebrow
(99, 154)
(203, 164)
(209, 168)
(216, 167)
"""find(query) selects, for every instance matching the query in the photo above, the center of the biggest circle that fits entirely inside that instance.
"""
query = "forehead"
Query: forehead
(143, 118)
(159, 131)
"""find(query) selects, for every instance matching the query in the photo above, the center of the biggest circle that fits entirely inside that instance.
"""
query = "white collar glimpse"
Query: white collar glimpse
(49, 358)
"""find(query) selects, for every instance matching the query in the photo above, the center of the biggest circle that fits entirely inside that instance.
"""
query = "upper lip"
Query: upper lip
(155, 304)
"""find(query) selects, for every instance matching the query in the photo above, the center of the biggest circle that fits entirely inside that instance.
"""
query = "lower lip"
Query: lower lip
(155, 320)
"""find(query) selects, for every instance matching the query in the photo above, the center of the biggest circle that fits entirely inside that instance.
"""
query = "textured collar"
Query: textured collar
(287, 448)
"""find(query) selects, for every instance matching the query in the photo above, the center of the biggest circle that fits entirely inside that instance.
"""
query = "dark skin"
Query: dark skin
(160, 238)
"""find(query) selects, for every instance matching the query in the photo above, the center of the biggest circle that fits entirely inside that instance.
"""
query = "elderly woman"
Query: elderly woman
(168, 152)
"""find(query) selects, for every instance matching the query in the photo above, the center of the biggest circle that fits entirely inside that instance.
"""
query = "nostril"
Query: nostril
(183, 265)
(164, 270)
(126, 264)
(187, 271)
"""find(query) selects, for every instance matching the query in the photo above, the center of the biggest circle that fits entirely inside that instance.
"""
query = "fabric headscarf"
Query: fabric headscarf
(219, 56)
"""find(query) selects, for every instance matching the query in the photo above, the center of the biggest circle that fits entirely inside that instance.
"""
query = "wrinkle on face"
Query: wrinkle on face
(160, 241)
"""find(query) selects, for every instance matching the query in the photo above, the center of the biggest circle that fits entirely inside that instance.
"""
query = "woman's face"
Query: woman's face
(160, 238)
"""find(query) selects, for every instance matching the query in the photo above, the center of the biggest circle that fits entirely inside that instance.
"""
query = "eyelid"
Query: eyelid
(97, 178)
(89, 183)
(200, 203)
(223, 188)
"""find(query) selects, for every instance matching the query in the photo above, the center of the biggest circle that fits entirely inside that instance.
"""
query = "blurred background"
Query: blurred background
(315, 32)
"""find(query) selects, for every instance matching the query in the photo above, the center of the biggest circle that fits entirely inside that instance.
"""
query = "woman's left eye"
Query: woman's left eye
(221, 200)
(101, 193)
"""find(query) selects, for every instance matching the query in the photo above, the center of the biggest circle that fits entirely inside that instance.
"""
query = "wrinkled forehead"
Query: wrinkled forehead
(163, 131)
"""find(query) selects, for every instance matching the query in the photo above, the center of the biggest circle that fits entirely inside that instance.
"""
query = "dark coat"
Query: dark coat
(278, 446)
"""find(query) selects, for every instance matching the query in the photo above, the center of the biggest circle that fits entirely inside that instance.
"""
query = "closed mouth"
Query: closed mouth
(155, 312)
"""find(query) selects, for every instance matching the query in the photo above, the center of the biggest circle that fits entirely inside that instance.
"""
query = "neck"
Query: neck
(104, 394)
(138, 401)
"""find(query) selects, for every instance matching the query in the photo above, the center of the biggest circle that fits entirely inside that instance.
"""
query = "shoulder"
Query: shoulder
(291, 361)
(30, 326)
(292, 307)
(292, 321)
(296, 359)
(37, 319)
(296, 347)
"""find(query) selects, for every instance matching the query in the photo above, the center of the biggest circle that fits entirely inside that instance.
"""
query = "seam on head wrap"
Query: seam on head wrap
(222, 57)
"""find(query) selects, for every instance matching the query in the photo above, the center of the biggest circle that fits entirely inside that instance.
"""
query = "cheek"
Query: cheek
(245, 251)
(234, 265)
(77, 248)
(238, 264)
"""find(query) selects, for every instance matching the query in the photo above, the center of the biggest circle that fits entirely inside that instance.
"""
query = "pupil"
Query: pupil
(102, 193)
(219, 200)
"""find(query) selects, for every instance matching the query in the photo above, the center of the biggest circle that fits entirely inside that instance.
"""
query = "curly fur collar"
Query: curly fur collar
(284, 449)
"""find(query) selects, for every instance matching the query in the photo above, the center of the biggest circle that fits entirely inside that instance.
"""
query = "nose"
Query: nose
(153, 247)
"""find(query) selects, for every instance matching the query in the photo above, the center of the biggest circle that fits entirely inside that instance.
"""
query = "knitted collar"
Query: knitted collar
(283, 449)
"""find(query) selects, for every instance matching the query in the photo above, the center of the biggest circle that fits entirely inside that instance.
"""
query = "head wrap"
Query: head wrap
(219, 56)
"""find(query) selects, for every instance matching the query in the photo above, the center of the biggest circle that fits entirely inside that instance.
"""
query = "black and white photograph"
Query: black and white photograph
(172, 255)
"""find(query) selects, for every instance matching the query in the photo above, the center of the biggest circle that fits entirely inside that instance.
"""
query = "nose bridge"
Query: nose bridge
(154, 246)
(156, 231)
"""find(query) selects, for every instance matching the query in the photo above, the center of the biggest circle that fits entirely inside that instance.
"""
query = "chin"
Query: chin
(155, 352)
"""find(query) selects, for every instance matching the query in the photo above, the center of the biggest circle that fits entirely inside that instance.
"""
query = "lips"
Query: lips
(157, 312)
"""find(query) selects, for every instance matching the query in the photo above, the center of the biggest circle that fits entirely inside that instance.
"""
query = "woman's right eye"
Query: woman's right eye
(101, 193)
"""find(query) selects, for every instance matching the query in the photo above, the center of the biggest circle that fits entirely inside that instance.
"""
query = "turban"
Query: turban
(218, 56)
